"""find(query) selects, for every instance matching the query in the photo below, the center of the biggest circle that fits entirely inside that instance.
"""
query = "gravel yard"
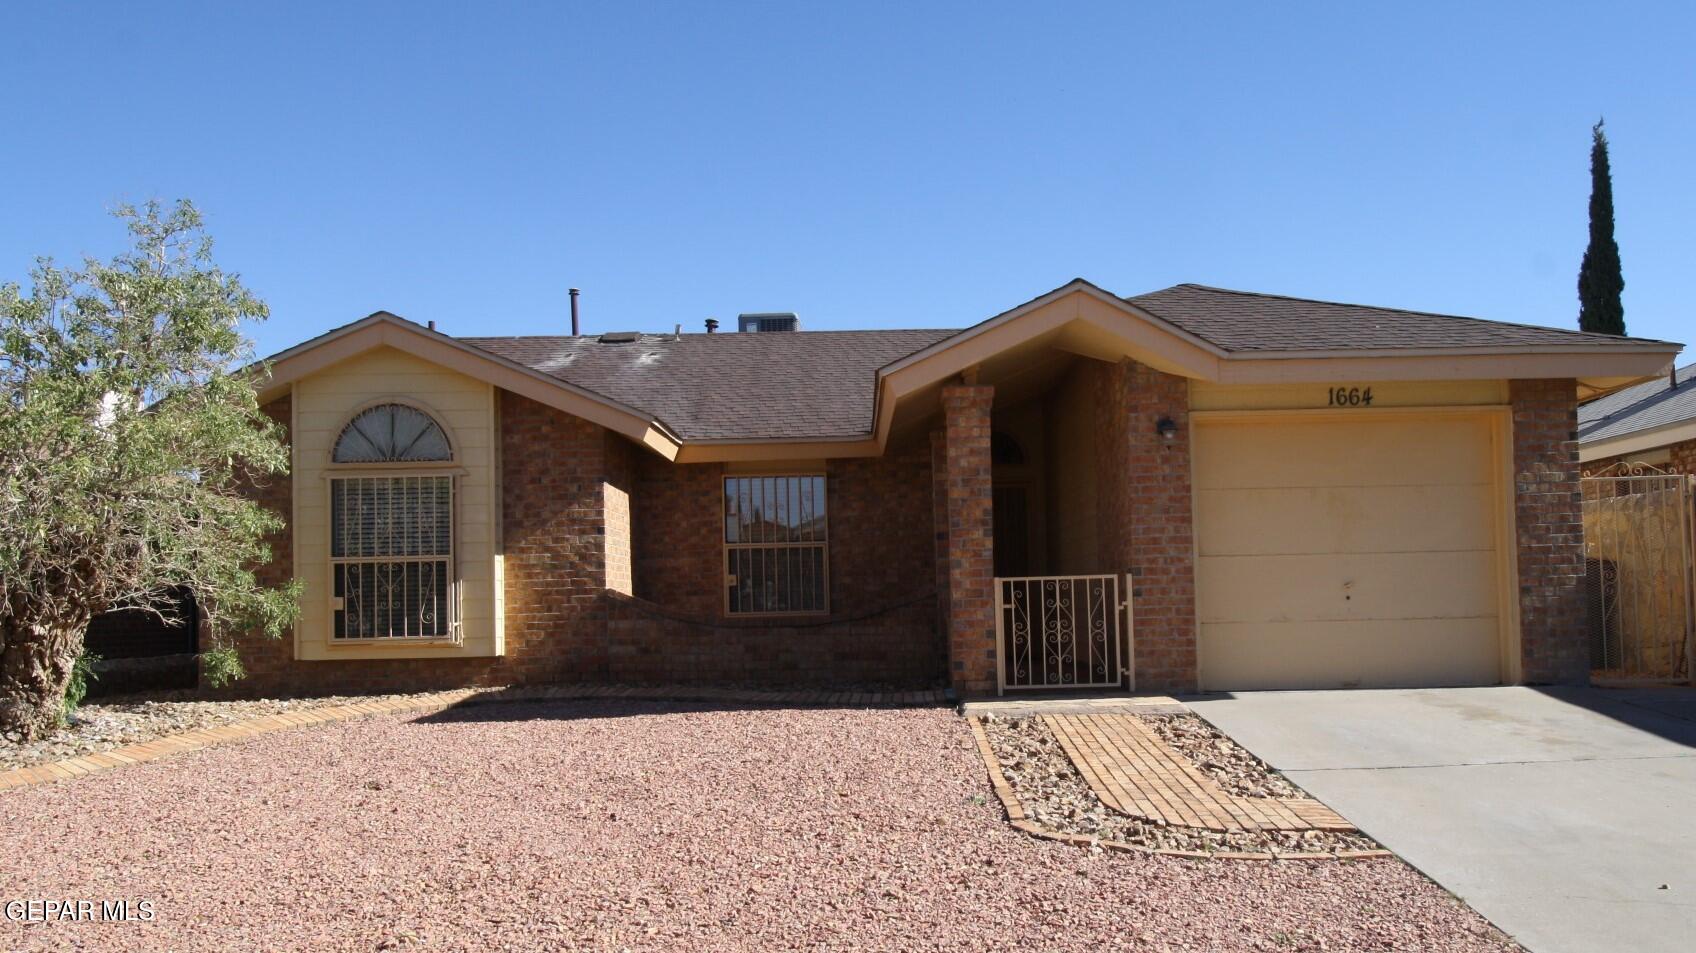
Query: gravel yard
(1229, 764)
(637, 825)
(108, 724)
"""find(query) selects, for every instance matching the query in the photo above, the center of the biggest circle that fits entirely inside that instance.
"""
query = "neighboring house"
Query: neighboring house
(1653, 422)
(1299, 493)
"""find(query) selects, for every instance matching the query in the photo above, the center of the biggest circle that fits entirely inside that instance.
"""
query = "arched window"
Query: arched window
(391, 533)
(391, 433)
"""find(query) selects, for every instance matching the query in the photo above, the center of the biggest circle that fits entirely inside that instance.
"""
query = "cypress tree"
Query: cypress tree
(1600, 281)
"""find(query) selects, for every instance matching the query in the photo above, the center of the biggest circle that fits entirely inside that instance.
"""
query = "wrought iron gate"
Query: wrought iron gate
(1639, 539)
(1061, 632)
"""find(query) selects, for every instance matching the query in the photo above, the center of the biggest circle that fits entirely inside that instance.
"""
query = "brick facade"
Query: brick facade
(613, 556)
(554, 476)
(1550, 532)
(969, 492)
(1147, 528)
(881, 629)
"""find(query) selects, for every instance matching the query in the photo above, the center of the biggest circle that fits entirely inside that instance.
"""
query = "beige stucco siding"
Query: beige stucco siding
(1349, 549)
(465, 407)
(1206, 395)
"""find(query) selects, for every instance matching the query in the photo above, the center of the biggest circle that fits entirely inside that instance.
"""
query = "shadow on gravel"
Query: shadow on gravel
(499, 709)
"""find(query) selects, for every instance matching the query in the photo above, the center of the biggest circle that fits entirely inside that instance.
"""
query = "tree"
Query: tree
(128, 433)
(1600, 281)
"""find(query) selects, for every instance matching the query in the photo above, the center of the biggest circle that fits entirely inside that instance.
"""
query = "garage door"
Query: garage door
(1337, 552)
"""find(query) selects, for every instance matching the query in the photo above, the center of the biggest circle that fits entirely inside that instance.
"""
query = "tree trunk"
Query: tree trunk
(36, 660)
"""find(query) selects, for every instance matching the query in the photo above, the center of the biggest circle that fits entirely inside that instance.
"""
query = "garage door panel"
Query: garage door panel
(1348, 519)
(1337, 551)
(1365, 654)
(1421, 452)
(1428, 585)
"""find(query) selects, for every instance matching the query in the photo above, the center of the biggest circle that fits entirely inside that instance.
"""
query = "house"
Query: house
(1193, 488)
(1653, 422)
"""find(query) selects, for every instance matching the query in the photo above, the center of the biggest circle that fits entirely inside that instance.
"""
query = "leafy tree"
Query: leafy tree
(126, 442)
(1600, 281)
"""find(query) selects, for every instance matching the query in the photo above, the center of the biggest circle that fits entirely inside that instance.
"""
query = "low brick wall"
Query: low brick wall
(896, 647)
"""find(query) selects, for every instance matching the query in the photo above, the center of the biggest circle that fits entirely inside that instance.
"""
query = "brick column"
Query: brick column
(1147, 527)
(1549, 523)
(971, 538)
(939, 526)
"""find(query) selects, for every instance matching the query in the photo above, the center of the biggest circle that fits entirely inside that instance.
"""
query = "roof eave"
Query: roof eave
(1635, 441)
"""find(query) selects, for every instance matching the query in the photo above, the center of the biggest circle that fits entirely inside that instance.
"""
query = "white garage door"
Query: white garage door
(1346, 552)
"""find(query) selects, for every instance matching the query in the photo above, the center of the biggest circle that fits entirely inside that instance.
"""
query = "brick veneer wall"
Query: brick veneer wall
(1550, 531)
(1147, 527)
(882, 625)
(554, 470)
(620, 514)
(588, 519)
(971, 538)
(1684, 457)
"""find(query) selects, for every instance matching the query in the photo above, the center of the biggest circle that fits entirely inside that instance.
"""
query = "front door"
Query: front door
(1012, 530)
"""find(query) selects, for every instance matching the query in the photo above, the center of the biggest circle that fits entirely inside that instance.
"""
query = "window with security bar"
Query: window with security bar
(776, 536)
(391, 532)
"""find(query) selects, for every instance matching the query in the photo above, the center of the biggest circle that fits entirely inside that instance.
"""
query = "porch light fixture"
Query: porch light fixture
(1167, 429)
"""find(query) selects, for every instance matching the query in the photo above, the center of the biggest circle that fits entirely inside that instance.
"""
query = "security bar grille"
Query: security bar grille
(391, 552)
(776, 545)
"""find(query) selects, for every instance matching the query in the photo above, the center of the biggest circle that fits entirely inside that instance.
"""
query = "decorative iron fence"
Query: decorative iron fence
(1639, 541)
(1061, 632)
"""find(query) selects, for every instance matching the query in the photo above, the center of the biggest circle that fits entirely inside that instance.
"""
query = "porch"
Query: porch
(1063, 515)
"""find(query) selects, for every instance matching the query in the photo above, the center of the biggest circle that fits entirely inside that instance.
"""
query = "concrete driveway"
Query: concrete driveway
(1557, 813)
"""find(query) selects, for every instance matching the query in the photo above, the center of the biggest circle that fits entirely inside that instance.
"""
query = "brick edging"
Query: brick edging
(67, 769)
(1017, 818)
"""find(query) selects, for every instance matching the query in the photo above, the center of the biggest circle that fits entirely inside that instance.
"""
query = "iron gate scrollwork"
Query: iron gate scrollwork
(1061, 632)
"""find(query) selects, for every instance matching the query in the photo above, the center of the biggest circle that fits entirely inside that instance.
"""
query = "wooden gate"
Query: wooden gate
(1640, 592)
(1062, 632)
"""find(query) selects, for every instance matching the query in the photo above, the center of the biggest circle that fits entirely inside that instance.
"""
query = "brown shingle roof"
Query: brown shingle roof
(732, 386)
(1248, 321)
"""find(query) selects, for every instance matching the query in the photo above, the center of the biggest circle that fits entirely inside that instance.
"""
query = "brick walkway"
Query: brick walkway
(1136, 773)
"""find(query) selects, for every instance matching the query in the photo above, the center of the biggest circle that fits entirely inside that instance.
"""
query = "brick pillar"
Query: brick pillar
(1147, 527)
(971, 538)
(939, 524)
(1549, 522)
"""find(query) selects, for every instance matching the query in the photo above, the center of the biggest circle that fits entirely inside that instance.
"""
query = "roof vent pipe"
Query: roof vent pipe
(712, 325)
(573, 292)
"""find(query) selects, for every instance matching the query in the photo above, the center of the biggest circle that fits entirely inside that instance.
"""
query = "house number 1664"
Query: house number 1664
(1350, 397)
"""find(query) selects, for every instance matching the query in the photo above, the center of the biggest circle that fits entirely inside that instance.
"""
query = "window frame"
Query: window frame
(395, 469)
(727, 548)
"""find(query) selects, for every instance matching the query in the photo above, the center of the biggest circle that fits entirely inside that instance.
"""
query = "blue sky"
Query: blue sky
(908, 164)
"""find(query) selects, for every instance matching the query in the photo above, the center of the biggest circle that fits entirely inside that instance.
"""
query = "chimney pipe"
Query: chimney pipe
(573, 292)
(712, 325)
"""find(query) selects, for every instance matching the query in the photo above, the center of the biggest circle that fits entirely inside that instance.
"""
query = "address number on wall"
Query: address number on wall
(1349, 397)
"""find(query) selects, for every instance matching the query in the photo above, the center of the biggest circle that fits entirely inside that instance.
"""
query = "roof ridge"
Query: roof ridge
(669, 335)
(1588, 335)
